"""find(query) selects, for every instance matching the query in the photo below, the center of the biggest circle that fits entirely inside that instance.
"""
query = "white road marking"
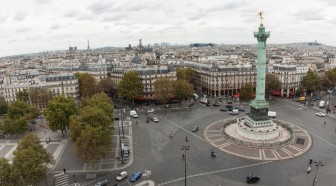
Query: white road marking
(214, 172)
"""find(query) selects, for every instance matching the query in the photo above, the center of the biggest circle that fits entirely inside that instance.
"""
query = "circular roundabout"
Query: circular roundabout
(280, 141)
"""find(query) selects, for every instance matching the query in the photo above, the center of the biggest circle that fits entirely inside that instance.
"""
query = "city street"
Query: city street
(155, 151)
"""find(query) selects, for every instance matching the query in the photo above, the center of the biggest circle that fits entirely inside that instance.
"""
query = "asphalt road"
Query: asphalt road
(155, 151)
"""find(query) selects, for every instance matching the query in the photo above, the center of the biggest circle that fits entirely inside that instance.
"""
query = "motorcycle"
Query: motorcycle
(213, 154)
(186, 139)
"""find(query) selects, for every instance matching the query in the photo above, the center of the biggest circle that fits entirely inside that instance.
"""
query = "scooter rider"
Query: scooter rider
(186, 138)
(309, 169)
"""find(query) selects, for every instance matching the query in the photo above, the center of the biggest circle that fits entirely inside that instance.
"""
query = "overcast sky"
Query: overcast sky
(39, 25)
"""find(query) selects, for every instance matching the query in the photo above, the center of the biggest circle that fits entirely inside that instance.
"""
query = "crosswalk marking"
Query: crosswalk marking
(62, 180)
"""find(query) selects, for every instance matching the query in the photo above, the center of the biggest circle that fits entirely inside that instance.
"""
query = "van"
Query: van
(133, 113)
(271, 114)
(302, 99)
(125, 150)
(322, 104)
(234, 112)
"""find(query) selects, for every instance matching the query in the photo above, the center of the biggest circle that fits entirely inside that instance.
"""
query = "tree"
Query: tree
(163, 90)
(87, 84)
(246, 91)
(108, 86)
(40, 97)
(271, 83)
(19, 113)
(58, 113)
(30, 160)
(330, 78)
(93, 144)
(3, 107)
(130, 86)
(5, 173)
(187, 74)
(311, 82)
(101, 101)
(183, 89)
(22, 96)
(89, 116)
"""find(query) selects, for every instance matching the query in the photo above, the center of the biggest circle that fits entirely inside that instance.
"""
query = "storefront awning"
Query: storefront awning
(276, 92)
(291, 93)
(237, 95)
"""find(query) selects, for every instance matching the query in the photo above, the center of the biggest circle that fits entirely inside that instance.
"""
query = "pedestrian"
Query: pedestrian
(64, 171)
(136, 122)
(49, 140)
(324, 123)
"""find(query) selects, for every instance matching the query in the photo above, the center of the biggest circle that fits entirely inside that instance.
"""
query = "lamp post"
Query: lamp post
(185, 148)
(121, 154)
(318, 165)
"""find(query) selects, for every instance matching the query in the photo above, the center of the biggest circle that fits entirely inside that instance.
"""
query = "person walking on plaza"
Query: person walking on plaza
(324, 123)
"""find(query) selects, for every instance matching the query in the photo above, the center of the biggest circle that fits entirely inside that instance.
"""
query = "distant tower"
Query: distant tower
(88, 47)
(140, 44)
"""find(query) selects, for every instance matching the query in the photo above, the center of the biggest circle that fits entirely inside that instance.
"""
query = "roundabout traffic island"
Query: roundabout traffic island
(280, 140)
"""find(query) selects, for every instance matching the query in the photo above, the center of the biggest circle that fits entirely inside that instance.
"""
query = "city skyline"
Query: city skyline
(40, 25)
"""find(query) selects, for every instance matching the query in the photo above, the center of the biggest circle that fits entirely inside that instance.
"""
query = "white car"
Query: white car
(155, 119)
(150, 110)
(320, 114)
(122, 176)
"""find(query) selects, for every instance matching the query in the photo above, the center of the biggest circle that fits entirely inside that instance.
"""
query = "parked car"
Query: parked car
(135, 176)
(223, 109)
(122, 176)
(318, 97)
(150, 110)
(102, 183)
(33, 122)
(155, 119)
(229, 107)
(320, 114)
(234, 112)
(252, 178)
(195, 129)
(229, 102)
(240, 108)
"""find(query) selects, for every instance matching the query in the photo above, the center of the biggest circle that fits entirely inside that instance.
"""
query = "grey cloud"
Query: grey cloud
(329, 2)
(143, 6)
(20, 16)
(42, 2)
(230, 5)
(195, 17)
(55, 26)
(22, 30)
(85, 17)
(71, 13)
(114, 17)
(310, 14)
(100, 7)
(3, 18)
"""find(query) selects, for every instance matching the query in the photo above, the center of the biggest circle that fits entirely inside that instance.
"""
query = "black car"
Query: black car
(229, 107)
(195, 129)
(240, 108)
(208, 104)
(252, 178)
(223, 109)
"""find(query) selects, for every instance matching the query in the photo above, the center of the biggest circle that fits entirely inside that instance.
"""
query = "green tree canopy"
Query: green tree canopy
(58, 113)
(101, 101)
(5, 173)
(108, 86)
(183, 89)
(311, 82)
(187, 74)
(246, 91)
(22, 96)
(87, 84)
(130, 86)
(15, 126)
(271, 83)
(93, 144)
(330, 78)
(3, 107)
(30, 160)
(40, 97)
(163, 90)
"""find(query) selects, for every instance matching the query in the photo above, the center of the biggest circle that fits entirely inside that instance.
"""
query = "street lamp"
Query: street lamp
(318, 165)
(121, 154)
(185, 148)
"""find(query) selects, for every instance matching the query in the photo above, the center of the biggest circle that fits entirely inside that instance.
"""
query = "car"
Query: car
(318, 97)
(135, 176)
(229, 102)
(223, 109)
(102, 183)
(195, 129)
(155, 119)
(208, 104)
(121, 176)
(320, 114)
(33, 122)
(252, 178)
(240, 108)
(150, 110)
(229, 107)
